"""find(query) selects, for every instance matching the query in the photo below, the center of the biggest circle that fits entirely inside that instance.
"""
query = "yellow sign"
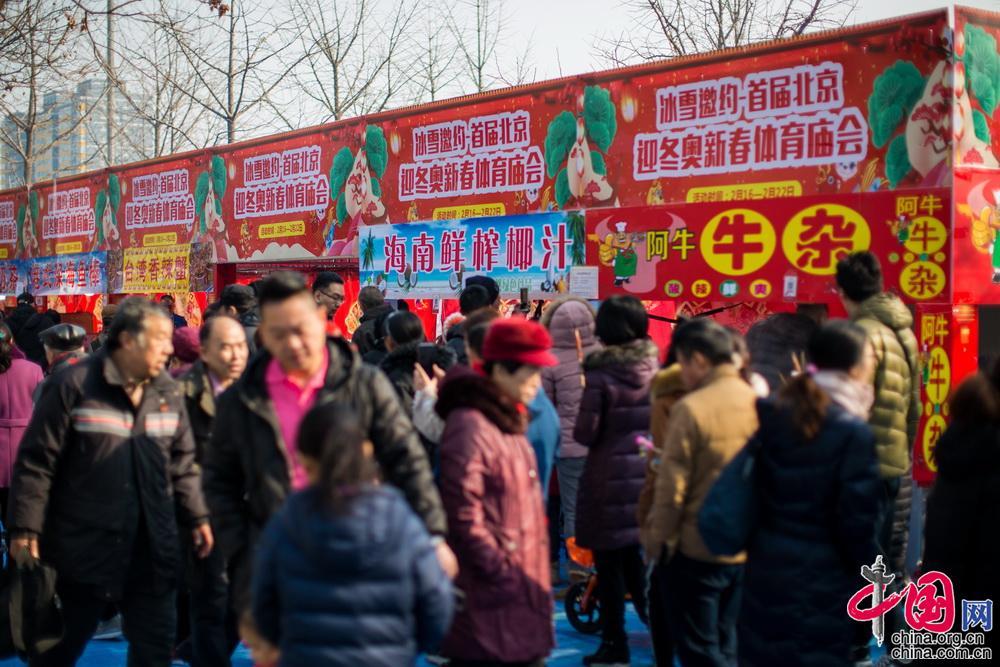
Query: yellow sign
(745, 192)
(475, 211)
(933, 429)
(760, 289)
(3, 253)
(69, 248)
(159, 240)
(922, 280)
(926, 236)
(819, 236)
(738, 242)
(701, 288)
(938, 376)
(280, 230)
(156, 269)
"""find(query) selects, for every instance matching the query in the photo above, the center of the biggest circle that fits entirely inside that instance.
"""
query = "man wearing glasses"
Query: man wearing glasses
(328, 290)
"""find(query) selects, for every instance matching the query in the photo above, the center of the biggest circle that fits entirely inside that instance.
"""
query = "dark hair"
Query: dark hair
(281, 286)
(25, 297)
(167, 296)
(742, 350)
(255, 286)
(6, 347)
(333, 437)
(836, 346)
(370, 297)
(705, 336)
(206, 328)
(239, 297)
(488, 284)
(621, 320)
(476, 325)
(404, 327)
(131, 318)
(473, 298)
(326, 278)
(859, 276)
(213, 309)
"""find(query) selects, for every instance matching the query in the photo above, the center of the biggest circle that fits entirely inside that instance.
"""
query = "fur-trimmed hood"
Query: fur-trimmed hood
(465, 388)
(632, 364)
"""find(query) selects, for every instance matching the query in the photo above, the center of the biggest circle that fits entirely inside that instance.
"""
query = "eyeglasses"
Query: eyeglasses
(336, 298)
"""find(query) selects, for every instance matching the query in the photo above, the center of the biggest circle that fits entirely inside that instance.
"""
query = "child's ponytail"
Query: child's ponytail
(808, 404)
(333, 437)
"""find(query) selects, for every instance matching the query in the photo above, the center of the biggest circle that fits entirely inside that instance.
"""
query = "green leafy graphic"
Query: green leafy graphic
(377, 152)
(897, 161)
(894, 94)
(216, 174)
(982, 67)
(600, 125)
(982, 126)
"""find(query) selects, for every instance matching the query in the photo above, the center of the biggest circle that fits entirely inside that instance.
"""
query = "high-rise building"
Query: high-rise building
(72, 124)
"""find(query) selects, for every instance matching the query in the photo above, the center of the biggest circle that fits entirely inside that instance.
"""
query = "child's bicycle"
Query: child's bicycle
(582, 606)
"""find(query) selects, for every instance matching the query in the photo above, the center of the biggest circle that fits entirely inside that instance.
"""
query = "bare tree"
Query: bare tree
(477, 27)
(44, 58)
(434, 55)
(353, 53)
(236, 60)
(666, 29)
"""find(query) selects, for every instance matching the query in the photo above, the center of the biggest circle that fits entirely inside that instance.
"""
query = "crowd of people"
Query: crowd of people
(333, 502)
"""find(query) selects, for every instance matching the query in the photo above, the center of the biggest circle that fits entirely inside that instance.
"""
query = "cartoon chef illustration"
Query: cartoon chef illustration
(619, 249)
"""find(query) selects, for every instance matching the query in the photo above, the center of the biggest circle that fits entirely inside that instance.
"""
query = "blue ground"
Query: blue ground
(570, 647)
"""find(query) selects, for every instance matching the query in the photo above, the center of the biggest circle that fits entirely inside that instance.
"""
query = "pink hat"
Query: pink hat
(518, 340)
(187, 347)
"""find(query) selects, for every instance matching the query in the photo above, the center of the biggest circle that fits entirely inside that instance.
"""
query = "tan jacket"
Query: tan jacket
(665, 391)
(707, 428)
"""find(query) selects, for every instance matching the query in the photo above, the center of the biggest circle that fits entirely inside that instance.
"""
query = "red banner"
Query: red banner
(779, 249)
(858, 110)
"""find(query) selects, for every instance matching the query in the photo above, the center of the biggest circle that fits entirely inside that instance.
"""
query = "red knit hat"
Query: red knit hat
(187, 347)
(518, 340)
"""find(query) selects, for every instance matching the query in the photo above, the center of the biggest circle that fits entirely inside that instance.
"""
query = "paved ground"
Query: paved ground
(570, 649)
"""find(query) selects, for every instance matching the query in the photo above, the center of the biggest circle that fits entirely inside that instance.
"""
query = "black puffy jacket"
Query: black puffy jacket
(246, 469)
(960, 538)
(819, 502)
(398, 366)
(91, 462)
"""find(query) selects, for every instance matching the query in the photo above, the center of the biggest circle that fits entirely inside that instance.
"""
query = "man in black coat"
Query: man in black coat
(369, 336)
(104, 473)
(64, 347)
(251, 466)
(223, 360)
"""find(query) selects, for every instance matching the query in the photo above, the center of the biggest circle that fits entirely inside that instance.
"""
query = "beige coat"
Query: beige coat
(707, 428)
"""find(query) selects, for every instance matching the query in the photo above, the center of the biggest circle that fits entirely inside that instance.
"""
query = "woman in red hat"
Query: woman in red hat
(490, 489)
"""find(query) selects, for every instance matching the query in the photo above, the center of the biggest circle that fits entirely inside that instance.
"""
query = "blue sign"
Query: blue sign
(79, 273)
(432, 260)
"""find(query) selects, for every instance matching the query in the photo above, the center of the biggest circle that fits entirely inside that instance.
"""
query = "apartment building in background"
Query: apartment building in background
(75, 119)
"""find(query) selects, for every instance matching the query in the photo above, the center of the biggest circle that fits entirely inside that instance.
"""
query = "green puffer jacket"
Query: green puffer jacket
(897, 382)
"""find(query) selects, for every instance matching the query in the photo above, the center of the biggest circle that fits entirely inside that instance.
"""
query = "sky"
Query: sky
(563, 32)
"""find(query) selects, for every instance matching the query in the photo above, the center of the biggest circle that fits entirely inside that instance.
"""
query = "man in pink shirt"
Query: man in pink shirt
(251, 465)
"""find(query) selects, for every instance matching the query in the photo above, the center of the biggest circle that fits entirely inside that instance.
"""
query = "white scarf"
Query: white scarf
(853, 396)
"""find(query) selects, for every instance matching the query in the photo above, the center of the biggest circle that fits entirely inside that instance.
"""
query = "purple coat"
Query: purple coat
(564, 383)
(16, 407)
(615, 410)
(496, 526)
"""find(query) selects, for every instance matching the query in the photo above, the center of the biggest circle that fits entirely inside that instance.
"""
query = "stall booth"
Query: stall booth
(728, 182)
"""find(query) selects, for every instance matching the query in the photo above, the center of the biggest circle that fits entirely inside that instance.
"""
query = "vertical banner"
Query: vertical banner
(948, 347)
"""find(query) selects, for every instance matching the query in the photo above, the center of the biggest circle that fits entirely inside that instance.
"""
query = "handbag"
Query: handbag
(729, 513)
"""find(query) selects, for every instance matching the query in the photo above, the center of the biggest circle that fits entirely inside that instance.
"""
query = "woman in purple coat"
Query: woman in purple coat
(18, 379)
(614, 412)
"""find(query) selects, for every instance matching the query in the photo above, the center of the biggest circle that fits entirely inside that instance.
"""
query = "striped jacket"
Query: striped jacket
(93, 467)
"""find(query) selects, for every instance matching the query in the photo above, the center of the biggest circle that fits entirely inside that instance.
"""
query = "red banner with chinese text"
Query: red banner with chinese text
(780, 249)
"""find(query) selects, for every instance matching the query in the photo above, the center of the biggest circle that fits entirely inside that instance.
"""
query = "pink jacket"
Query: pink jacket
(496, 526)
(16, 407)
(571, 323)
